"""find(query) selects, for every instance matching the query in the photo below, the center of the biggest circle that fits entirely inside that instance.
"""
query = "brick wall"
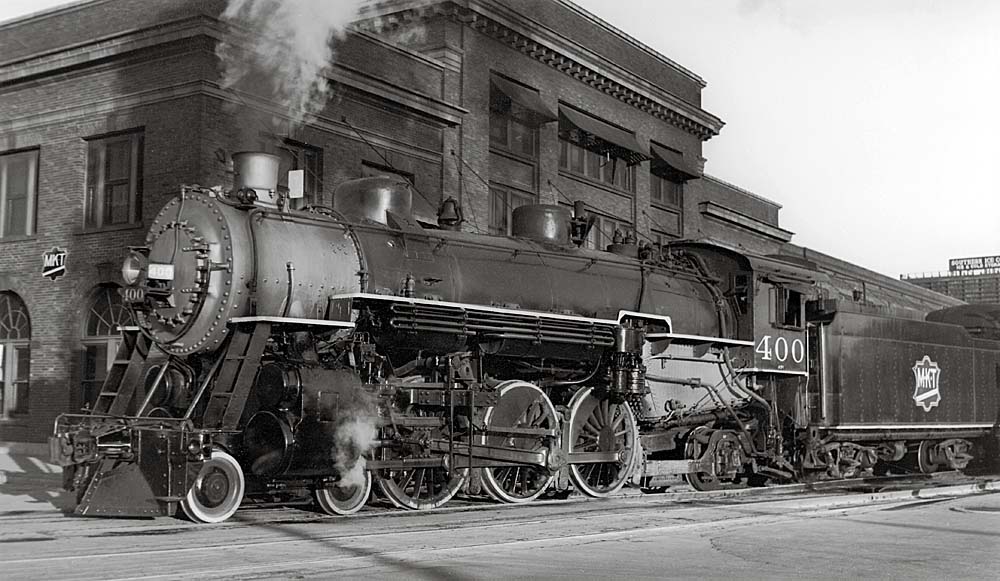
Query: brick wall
(92, 21)
(482, 55)
(582, 29)
(58, 308)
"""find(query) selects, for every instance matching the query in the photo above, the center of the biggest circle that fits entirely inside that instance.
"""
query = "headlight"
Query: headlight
(132, 268)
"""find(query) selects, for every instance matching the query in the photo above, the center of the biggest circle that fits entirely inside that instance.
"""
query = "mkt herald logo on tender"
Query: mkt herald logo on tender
(927, 374)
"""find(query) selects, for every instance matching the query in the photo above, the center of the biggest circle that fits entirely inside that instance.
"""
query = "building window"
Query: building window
(603, 233)
(595, 149)
(666, 192)
(662, 238)
(114, 180)
(309, 159)
(512, 135)
(101, 337)
(504, 200)
(605, 168)
(15, 355)
(516, 111)
(18, 193)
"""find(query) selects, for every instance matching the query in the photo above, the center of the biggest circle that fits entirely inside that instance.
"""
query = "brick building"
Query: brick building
(107, 106)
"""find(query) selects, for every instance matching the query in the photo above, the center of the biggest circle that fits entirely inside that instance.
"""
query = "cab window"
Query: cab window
(786, 307)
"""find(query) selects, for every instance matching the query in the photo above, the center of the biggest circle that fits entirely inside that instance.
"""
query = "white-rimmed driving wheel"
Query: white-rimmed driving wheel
(598, 425)
(217, 491)
(343, 500)
(520, 405)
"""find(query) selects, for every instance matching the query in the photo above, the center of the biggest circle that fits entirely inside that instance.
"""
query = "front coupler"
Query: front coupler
(126, 466)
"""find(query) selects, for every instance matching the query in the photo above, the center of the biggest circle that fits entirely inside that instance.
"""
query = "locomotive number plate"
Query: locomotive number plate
(133, 294)
(160, 271)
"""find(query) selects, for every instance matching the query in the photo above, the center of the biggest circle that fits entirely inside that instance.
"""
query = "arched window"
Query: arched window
(15, 355)
(101, 337)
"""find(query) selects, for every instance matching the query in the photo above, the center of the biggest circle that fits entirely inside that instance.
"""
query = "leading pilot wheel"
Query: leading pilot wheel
(217, 491)
(335, 499)
(520, 405)
(598, 425)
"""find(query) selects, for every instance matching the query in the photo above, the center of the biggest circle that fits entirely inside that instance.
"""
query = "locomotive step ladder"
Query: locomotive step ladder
(240, 363)
(119, 386)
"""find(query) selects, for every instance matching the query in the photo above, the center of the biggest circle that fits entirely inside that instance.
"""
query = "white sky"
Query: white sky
(875, 124)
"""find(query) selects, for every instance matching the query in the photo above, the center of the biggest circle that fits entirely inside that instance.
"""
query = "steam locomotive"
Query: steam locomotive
(284, 354)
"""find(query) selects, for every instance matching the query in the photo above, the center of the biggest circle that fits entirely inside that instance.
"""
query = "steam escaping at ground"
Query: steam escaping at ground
(354, 437)
(355, 430)
(290, 44)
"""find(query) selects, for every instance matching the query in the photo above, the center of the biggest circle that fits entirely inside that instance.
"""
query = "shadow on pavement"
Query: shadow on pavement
(30, 485)
(401, 566)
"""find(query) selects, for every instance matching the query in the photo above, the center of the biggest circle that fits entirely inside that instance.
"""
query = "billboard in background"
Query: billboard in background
(977, 263)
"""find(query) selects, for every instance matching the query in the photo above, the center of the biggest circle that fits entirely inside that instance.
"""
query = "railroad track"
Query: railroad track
(683, 492)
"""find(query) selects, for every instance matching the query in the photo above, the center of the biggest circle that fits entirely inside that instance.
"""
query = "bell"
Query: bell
(449, 214)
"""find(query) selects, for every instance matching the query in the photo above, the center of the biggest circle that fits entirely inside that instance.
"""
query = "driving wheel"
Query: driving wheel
(520, 405)
(598, 425)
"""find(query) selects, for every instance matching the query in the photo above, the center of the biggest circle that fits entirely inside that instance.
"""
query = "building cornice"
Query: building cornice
(100, 51)
(554, 50)
(65, 57)
(720, 212)
(569, 4)
(743, 191)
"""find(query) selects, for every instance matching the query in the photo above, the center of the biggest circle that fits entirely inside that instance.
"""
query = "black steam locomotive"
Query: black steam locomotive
(281, 354)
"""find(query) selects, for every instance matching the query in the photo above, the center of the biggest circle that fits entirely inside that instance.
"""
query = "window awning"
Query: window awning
(527, 98)
(675, 162)
(602, 137)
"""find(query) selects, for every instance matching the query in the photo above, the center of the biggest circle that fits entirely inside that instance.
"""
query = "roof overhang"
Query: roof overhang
(602, 137)
(673, 162)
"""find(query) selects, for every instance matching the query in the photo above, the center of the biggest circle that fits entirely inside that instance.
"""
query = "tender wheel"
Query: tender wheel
(521, 405)
(597, 425)
(724, 452)
(343, 500)
(694, 450)
(217, 491)
(925, 461)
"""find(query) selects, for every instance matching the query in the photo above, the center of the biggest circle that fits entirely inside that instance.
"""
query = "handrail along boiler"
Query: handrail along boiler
(282, 354)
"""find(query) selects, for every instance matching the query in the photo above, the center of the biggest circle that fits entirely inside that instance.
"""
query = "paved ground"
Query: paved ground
(28, 483)
(955, 535)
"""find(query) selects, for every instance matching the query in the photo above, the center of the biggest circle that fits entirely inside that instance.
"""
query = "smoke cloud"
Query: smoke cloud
(290, 45)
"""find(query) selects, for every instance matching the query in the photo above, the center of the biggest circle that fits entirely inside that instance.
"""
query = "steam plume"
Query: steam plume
(355, 431)
(354, 437)
(290, 46)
